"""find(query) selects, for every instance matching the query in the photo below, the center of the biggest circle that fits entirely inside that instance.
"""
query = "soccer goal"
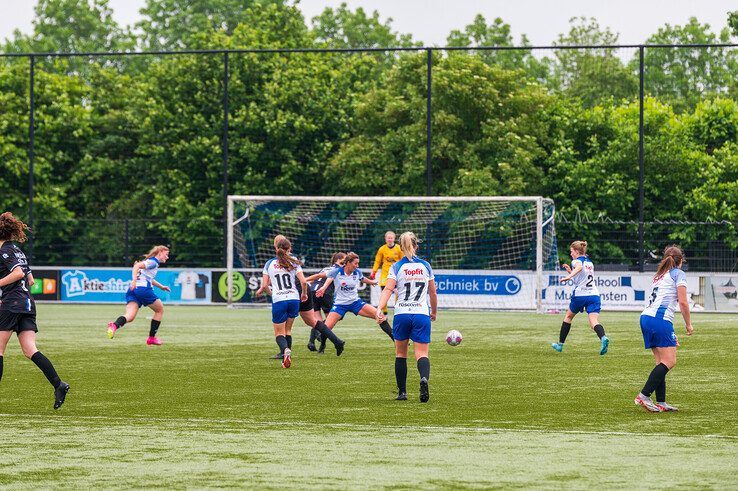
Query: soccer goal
(486, 252)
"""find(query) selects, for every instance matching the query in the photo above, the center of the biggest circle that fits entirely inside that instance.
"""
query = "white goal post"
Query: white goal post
(488, 252)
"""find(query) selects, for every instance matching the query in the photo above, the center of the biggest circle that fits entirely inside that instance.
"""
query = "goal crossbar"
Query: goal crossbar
(537, 201)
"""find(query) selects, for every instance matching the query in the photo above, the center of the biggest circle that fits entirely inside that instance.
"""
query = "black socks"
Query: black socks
(565, 328)
(282, 343)
(327, 333)
(1, 368)
(424, 367)
(661, 391)
(401, 374)
(313, 335)
(45, 365)
(387, 329)
(120, 321)
(289, 340)
(154, 327)
(599, 330)
(655, 379)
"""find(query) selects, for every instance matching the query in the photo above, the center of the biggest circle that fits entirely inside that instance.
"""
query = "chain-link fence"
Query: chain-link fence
(641, 137)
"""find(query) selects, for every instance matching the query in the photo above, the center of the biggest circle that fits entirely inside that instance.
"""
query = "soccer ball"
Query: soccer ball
(453, 338)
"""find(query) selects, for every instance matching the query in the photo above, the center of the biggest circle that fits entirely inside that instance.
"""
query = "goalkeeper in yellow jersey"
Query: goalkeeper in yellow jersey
(387, 255)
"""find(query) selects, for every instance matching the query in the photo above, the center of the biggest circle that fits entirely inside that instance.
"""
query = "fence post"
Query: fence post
(226, 77)
(126, 243)
(31, 152)
(641, 165)
(428, 119)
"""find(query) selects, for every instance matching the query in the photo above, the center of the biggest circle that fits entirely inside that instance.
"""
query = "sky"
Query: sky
(431, 20)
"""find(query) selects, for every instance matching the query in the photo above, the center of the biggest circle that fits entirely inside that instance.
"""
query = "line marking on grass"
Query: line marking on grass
(357, 426)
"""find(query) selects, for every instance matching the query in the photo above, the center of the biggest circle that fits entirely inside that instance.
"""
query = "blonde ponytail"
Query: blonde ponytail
(408, 244)
(580, 246)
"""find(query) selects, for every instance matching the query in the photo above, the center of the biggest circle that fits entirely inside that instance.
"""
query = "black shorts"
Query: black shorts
(307, 305)
(12, 321)
(324, 303)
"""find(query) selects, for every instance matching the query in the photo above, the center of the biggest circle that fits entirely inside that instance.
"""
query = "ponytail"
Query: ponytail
(12, 228)
(338, 257)
(155, 251)
(285, 260)
(673, 258)
(580, 246)
(408, 244)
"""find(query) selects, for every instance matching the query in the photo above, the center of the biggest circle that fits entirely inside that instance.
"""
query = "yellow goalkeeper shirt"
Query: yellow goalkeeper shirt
(386, 257)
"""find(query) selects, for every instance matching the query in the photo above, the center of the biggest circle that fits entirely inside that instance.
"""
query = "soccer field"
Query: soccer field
(209, 408)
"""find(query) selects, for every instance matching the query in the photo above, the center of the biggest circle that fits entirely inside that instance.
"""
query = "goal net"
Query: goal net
(486, 252)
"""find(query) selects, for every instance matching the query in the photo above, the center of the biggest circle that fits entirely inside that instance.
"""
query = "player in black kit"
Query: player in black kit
(324, 303)
(17, 308)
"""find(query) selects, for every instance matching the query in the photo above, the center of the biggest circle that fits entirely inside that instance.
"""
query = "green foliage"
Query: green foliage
(72, 26)
(479, 33)
(181, 24)
(684, 76)
(134, 137)
(342, 28)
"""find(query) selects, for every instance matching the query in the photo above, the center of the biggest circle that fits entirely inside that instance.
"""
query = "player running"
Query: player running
(279, 279)
(17, 308)
(141, 293)
(346, 299)
(584, 297)
(387, 255)
(669, 290)
(416, 288)
(324, 303)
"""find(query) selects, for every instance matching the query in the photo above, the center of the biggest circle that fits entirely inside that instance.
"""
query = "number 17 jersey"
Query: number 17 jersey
(412, 277)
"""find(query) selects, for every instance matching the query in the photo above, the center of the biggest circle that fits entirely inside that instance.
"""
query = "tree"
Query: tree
(498, 33)
(72, 26)
(342, 28)
(733, 22)
(182, 24)
(486, 132)
(683, 76)
(591, 74)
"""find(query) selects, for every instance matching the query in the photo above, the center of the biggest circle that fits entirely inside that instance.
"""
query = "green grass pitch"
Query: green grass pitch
(209, 409)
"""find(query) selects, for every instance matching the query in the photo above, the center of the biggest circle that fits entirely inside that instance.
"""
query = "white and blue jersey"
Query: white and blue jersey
(143, 292)
(412, 308)
(147, 274)
(346, 285)
(283, 282)
(585, 296)
(584, 281)
(346, 292)
(285, 295)
(664, 301)
(412, 277)
(657, 320)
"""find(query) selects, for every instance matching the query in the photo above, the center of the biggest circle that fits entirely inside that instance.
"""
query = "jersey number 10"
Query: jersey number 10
(287, 281)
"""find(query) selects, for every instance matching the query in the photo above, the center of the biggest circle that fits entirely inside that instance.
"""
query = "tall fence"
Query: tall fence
(218, 112)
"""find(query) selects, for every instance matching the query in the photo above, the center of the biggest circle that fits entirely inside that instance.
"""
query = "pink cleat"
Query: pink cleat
(287, 359)
(111, 329)
(153, 340)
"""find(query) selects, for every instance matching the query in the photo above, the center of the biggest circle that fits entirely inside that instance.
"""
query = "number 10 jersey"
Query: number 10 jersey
(412, 277)
(283, 282)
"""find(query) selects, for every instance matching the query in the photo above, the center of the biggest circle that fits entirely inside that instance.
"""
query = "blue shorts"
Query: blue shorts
(589, 302)
(354, 307)
(657, 333)
(412, 326)
(141, 295)
(286, 309)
